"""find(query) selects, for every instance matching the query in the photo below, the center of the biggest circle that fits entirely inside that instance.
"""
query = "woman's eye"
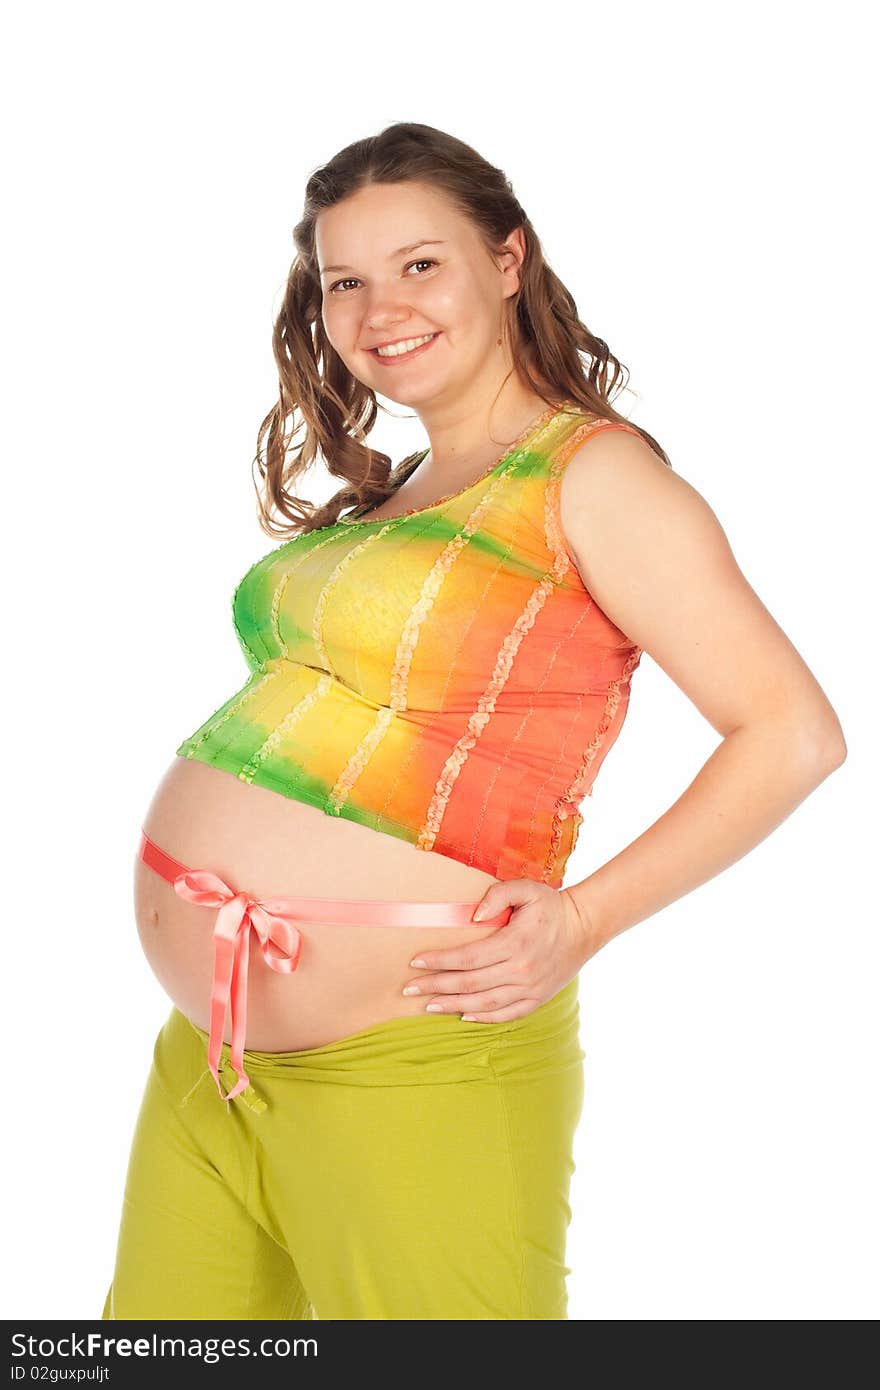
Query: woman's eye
(353, 281)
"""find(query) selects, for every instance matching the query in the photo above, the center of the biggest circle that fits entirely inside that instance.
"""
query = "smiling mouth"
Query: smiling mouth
(397, 352)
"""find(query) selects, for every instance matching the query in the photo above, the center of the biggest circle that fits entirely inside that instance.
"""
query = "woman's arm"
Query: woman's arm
(654, 556)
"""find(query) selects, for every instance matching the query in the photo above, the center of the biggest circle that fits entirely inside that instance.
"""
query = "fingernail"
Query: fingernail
(417, 962)
(412, 989)
(468, 1018)
(434, 1009)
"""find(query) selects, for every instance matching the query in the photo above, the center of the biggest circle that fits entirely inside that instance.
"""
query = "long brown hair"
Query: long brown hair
(545, 335)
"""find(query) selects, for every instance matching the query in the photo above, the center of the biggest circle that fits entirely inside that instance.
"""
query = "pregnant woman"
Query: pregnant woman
(363, 1102)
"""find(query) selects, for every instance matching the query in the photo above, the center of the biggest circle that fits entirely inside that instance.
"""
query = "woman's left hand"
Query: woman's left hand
(520, 966)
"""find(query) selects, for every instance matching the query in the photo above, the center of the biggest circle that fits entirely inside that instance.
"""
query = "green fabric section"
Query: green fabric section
(192, 739)
(289, 779)
(418, 1169)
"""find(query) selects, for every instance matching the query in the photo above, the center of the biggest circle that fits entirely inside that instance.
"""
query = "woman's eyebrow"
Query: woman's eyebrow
(401, 251)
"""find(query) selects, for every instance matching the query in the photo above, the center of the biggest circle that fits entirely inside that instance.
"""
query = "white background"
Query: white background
(699, 178)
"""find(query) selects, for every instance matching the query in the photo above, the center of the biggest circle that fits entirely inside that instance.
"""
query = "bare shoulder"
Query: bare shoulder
(624, 511)
(654, 556)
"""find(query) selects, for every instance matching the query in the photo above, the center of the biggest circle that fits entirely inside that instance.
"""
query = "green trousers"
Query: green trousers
(418, 1169)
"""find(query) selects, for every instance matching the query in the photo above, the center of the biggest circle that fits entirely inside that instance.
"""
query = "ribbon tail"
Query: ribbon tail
(228, 922)
(238, 1008)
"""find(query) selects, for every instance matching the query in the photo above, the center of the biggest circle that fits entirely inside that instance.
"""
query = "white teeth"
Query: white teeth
(396, 349)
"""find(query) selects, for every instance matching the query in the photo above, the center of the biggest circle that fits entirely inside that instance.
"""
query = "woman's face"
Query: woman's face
(397, 262)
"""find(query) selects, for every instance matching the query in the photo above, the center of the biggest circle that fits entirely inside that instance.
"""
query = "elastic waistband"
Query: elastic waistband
(274, 923)
(419, 1049)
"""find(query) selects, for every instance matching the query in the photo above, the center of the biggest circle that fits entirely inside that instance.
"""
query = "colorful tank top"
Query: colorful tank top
(441, 675)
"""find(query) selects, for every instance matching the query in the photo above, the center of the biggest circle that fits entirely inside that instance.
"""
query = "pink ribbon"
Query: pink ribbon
(273, 920)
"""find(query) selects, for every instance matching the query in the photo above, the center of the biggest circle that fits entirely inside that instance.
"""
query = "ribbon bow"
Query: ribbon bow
(238, 914)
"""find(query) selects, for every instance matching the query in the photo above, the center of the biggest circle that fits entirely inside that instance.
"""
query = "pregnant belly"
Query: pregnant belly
(348, 977)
